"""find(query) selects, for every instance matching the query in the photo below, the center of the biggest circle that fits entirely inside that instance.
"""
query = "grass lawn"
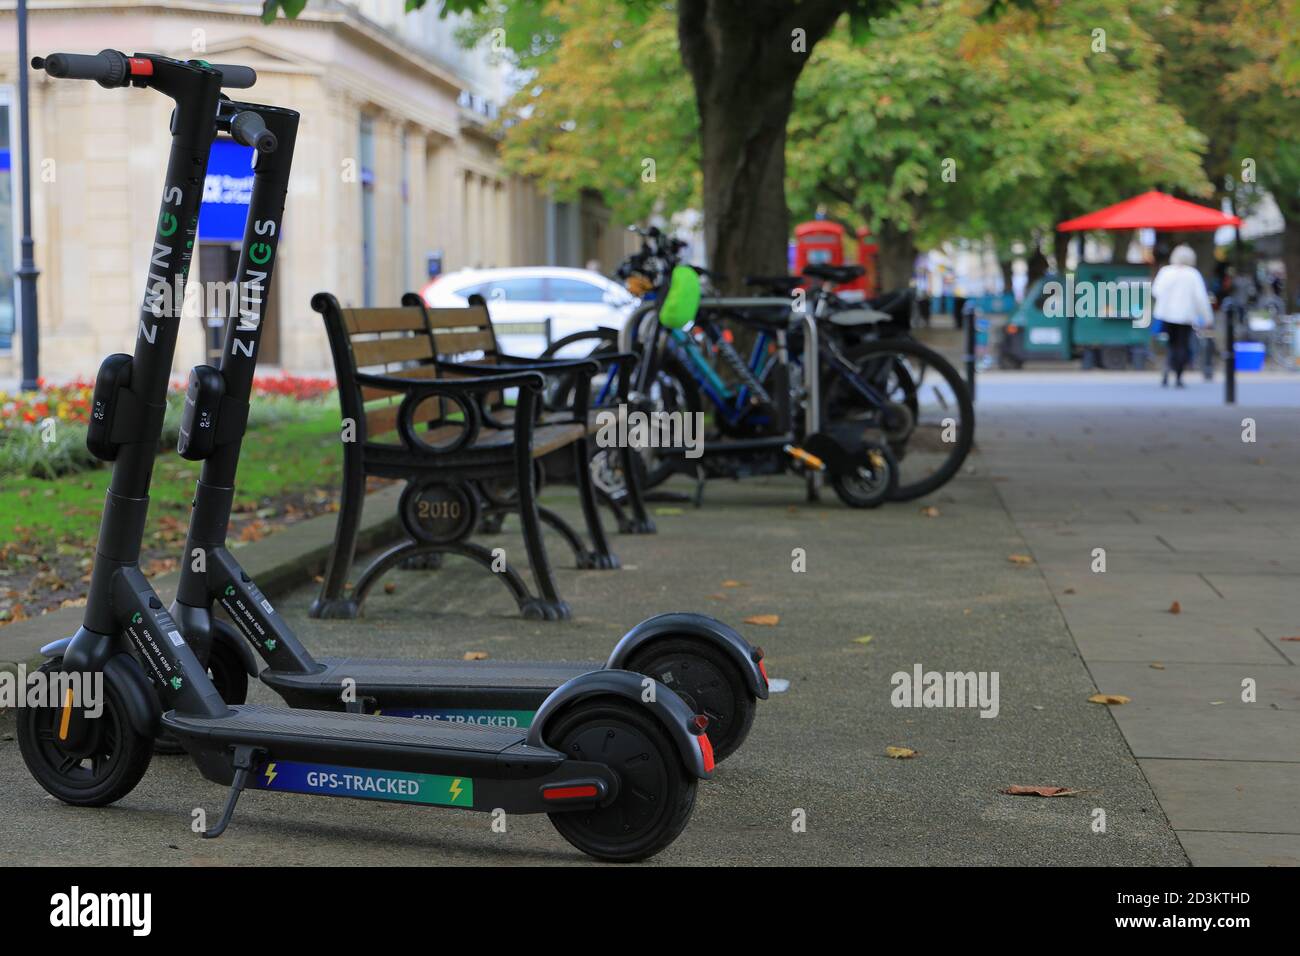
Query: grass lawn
(288, 470)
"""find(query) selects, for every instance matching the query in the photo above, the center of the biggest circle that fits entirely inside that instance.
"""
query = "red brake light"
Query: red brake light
(585, 792)
(706, 751)
(762, 669)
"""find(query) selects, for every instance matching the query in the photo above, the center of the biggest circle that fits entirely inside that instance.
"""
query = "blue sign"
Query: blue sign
(226, 192)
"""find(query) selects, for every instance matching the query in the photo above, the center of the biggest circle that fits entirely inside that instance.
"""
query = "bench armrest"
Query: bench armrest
(490, 382)
(581, 370)
(465, 393)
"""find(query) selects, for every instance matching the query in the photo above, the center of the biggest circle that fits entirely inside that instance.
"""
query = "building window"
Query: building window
(367, 151)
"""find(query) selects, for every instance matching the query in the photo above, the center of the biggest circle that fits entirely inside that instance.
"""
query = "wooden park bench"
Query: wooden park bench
(443, 428)
(475, 340)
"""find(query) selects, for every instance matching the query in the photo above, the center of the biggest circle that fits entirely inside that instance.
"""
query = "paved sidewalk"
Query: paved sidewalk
(934, 591)
(1187, 513)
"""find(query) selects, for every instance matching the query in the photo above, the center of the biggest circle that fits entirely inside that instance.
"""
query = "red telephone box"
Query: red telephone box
(821, 242)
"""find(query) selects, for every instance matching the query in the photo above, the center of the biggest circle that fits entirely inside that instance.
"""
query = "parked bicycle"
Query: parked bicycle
(863, 388)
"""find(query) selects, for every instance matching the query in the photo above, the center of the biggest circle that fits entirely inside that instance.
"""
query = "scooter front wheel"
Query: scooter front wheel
(655, 796)
(708, 682)
(103, 769)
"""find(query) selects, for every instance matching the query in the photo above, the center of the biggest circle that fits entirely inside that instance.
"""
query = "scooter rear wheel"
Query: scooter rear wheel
(105, 768)
(708, 682)
(872, 483)
(656, 794)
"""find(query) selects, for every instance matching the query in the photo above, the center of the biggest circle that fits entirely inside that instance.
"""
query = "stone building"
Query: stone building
(396, 173)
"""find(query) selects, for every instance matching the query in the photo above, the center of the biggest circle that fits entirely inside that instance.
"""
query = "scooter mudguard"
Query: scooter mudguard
(701, 627)
(126, 675)
(666, 706)
(839, 459)
(56, 648)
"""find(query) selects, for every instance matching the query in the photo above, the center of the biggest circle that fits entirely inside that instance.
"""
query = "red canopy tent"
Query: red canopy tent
(1152, 210)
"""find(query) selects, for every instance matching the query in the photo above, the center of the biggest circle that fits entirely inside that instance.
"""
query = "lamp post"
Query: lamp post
(27, 271)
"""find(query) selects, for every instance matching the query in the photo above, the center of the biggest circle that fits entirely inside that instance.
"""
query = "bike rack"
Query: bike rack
(812, 391)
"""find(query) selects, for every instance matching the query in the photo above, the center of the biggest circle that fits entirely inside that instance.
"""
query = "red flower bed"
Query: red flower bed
(67, 403)
(293, 386)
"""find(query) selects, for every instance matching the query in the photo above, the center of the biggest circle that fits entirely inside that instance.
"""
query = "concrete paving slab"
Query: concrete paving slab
(1237, 796)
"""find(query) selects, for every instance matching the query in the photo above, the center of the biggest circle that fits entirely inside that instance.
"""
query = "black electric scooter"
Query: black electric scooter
(708, 664)
(612, 757)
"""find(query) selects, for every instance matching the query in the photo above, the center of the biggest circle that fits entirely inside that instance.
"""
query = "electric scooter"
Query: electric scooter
(708, 664)
(612, 757)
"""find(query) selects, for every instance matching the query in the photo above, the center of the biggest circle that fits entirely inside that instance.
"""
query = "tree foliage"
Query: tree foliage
(963, 128)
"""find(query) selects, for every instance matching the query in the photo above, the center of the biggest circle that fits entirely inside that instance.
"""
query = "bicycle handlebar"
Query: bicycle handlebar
(112, 68)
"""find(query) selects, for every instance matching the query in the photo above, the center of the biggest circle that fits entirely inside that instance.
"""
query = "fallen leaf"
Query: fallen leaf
(732, 584)
(1020, 791)
(1157, 666)
(1290, 638)
(718, 597)
(930, 511)
(764, 620)
(864, 639)
(390, 588)
(476, 655)
(1175, 608)
(1069, 590)
(900, 753)
(1108, 699)
(1020, 559)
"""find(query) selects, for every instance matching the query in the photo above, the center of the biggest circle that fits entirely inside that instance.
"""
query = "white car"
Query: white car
(573, 300)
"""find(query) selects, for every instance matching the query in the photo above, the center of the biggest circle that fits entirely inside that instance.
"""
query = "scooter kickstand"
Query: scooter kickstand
(243, 764)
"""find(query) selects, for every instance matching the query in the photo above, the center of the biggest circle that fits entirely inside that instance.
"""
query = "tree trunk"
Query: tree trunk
(744, 59)
(896, 258)
(1119, 251)
(1037, 264)
(1061, 250)
(1008, 268)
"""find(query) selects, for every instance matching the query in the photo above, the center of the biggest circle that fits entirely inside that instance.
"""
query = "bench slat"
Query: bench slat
(473, 317)
(383, 351)
(455, 343)
(360, 321)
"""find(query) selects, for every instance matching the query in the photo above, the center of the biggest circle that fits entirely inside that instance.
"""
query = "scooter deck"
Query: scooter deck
(414, 683)
(358, 740)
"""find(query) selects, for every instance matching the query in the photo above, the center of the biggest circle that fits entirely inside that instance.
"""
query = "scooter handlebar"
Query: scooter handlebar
(111, 68)
(235, 77)
(107, 68)
(248, 128)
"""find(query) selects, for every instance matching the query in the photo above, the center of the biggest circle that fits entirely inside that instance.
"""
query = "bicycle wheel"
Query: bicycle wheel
(926, 416)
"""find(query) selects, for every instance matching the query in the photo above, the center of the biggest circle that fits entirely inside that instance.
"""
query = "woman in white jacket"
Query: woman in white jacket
(1181, 304)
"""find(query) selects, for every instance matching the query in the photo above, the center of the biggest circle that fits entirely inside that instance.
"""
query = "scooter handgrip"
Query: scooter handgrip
(108, 67)
(235, 77)
(249, 129)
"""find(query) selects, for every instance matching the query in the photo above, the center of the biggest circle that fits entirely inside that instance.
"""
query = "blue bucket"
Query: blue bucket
(1249, 356)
